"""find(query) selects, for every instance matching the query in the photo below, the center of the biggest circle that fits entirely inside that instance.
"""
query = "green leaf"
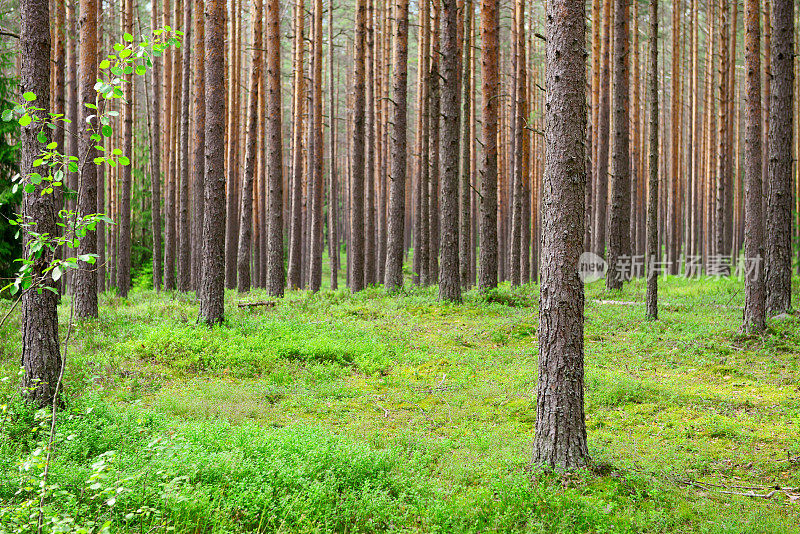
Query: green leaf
(88, 258)
(41, 137)
(107, 130)
(125, 53)
(99, 160)
(104, 64)
(56, 273)
(141, 70)
(128, 37)
(29, 97)
(116, 151)
(118, 47)
(51, 146)
(123, 160)
(7, 114)
(25, 120)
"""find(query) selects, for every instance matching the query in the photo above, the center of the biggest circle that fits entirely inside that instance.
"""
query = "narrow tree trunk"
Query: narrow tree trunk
(465, 192)
(619, 237)
(124, 249)
(560, 439)
(490, 28)
(397, 191)
(232, 169)
(246, 208)
(317, 152)
(434, 113)
(754, 316)
(779, 212)
(295, 232)
(333, 207)
(199, 140)
(275, 272)
(517, 127)
(86, 275)
(184, 238)
(603, 126)
(673, 233)
(652, 203)
(357, 162)
(212, 282)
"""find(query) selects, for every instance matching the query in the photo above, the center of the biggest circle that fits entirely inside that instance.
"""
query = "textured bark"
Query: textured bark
(184, 237)
(155, 158)
(434, 113)
(754, 316)
(124, 248)
(465, 192)
(369, 156)
(517, 118)
(86, 275)
(619, 237)
(490, 28)
(449, 280)
(232, 168)
(317, 152)
(723, 177)
(333, 203)
(357, 154)
(212, 280)
(41, 359)
(198, 138)
(397, 191)
(673, 233)
(246, 209)
(560, 439)
(275, 272)
(295, 232)
(779, 212)
(652, 203)
(168, 153)
(603, 125)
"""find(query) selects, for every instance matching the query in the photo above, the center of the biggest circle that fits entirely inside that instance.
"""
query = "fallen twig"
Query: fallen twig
(267, 303)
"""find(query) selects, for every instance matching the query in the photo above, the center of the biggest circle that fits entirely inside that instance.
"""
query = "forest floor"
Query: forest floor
(372, 413)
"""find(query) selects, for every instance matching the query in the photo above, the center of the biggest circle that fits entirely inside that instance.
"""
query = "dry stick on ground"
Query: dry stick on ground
(268, 303)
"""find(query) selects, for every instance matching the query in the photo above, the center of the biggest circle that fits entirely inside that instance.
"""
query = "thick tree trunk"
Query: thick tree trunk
(357, 155)
(275, 272)
(41, 359)
(449, 280)
(754, 316)
(619, 237)
(86, 275)
(490, 28)
(246, 209)
(212, 280)
(652, 203)
(397, 191)
(779, 212)
(560, 439)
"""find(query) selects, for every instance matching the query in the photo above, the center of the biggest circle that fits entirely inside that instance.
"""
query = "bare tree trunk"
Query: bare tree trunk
(246, 209)
(357, 163)
(465, 193)
(155, 157)
(86, 275)
(603, 127)
(333, 207)
(560, 439)
(779, 212)
(212, 282)
(169, 179)
(652, 203)
(232, 169)
(397, 192)
(317, 150)
(275, 272)
(754, 316)
(434, 99)
(199, 140)
(619, 237)
(295, 233)
(449, 279)
(184, 237)
(490, 28)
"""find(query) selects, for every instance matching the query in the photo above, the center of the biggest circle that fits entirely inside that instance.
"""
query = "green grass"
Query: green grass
(334, 412)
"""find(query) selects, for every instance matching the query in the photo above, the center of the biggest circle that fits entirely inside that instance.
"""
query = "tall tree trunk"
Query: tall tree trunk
(722, 139)
(449, 280)
(86, 275)
(652, 202)
(295, 233)
(199, 140)
(246, 209)
(275, 272)
(155, 157)
(232, 169)
(619, 237)
(754, 317)
(124, 249)
(357, 155)
(517, 127)
(490, 28)
(317, 153)
(41, 359)
(212, 280)
(779, 213)
(369, 156)
(333, 202)
(184, 247)
(168, 153)
(673, 201)
(434, 113)
(465, 192)
(603, 125)
(397, 191)
(560, 439)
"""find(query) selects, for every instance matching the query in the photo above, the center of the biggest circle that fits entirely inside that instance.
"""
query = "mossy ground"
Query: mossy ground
(403, 413)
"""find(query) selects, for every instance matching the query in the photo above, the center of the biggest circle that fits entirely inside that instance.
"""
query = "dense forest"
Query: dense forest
(490, 207)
